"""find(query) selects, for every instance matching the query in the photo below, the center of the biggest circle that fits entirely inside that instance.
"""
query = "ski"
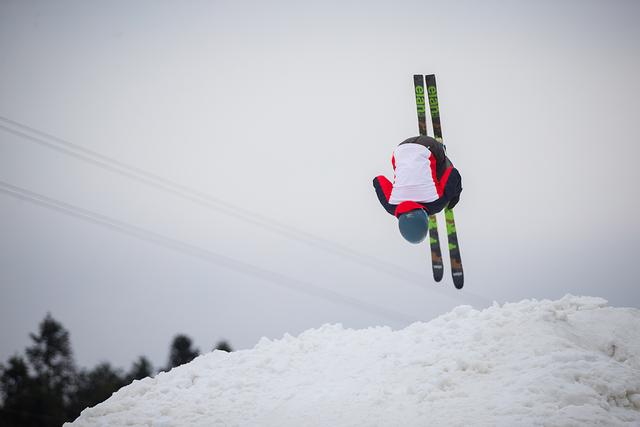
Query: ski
(454, 249)
(434, 241)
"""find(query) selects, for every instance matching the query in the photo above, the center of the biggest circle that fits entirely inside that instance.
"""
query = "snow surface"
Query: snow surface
(571, 362)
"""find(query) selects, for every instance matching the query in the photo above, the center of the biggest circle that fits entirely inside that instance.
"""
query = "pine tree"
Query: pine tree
(224, 346)
(39, 391)
(16, 388)
(181, 351)
(51, 356)
(141, 368)
(97, 385)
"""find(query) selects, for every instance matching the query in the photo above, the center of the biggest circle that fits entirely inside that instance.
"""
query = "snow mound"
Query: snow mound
(571, 362)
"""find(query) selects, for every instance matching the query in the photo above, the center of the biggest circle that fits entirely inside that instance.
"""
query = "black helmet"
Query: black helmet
(414, 225)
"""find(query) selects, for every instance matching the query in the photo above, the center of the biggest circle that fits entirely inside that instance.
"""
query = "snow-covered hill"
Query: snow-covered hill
(571, 362)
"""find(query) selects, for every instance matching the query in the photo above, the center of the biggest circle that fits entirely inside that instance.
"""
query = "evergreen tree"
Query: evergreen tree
(181, 351)
(51, 356)
(97, 385)
(142, 368)
(38, 393)
(224, 346)
(16, 388)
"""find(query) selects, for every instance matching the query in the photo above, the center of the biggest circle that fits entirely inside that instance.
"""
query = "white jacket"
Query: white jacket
(415, 175)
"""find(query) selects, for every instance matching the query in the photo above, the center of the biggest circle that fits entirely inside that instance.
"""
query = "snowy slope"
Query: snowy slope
(571, 362)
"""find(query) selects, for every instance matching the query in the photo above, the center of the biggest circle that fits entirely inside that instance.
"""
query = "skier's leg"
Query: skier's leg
(436, 206)
(453, 188)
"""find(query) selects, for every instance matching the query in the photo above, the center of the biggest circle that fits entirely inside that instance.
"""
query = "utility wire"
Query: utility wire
(198, 197)
(213, 203)
(204, 254)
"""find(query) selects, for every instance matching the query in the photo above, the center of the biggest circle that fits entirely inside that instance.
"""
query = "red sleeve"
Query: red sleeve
(383, 189)
(385, 185)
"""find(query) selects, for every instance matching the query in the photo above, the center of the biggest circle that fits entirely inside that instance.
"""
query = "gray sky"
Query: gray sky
(288, 110)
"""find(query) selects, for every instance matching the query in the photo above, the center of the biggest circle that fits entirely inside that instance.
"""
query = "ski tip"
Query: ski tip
(438, 272)
(458, 281)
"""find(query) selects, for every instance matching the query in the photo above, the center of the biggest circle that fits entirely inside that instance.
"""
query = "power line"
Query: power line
(204, 254)
(195, 196)
(216, 204)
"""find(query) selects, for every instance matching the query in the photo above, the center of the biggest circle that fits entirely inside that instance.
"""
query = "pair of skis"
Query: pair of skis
(454, 250)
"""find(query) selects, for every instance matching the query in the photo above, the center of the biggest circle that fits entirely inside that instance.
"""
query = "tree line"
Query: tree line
(44, 387)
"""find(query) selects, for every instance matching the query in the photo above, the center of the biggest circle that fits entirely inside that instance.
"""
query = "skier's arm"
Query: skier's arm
(383, 190)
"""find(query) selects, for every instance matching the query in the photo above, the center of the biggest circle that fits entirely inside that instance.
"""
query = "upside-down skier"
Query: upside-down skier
(425, 182)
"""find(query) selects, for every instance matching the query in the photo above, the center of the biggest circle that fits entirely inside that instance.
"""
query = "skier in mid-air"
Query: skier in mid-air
(425, 182)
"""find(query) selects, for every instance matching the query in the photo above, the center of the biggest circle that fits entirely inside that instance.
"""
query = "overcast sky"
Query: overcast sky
(288, 110)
